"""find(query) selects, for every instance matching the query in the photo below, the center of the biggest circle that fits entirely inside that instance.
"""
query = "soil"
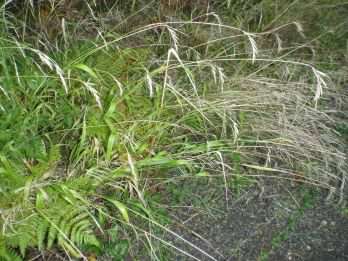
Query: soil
(274, 223)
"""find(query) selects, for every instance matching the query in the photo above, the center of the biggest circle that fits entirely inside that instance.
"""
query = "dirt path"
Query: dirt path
(278, 225)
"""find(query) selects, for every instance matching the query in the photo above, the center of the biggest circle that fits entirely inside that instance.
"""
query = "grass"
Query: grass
(93, 123)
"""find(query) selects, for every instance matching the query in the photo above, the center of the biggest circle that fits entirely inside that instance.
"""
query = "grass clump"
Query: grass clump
(90, 130)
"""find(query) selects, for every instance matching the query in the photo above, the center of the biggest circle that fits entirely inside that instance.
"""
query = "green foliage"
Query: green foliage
(115, 248)
(345, 212)
(88, 128)
(342, 128)
(43, 135)
(7, 254)
(57, 218)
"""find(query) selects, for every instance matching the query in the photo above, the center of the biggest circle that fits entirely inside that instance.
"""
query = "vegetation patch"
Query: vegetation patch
(100, 117)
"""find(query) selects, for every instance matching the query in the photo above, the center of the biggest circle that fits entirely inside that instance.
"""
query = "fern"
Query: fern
(64, 225)
(47, 217)
(41, 234)
(7, 254)
(70, 229)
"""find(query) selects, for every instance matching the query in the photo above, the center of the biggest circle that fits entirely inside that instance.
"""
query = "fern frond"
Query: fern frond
(53, 222)
(7, 254)
(23, 236)
(42, 230)
(68, 223)
(68, 229)
(79, 230)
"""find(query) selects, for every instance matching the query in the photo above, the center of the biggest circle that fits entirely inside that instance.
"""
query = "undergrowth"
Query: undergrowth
(92, 123)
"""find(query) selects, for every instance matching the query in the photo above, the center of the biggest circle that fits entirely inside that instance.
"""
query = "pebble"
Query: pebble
(323, 223)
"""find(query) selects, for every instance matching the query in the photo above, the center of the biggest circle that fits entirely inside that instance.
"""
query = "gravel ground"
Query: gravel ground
(281, 223)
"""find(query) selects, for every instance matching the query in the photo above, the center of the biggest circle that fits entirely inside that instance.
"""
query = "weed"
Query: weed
(93, 120)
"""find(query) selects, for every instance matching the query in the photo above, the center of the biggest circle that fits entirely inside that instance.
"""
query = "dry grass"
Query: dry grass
(105, 119)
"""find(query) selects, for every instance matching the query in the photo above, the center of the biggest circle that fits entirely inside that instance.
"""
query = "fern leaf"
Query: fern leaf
(9, 255)
(25, 240)
(90, 239)
(52, 231)
(42, 230)
(68, 222)
(77, 232)
(70, 249)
